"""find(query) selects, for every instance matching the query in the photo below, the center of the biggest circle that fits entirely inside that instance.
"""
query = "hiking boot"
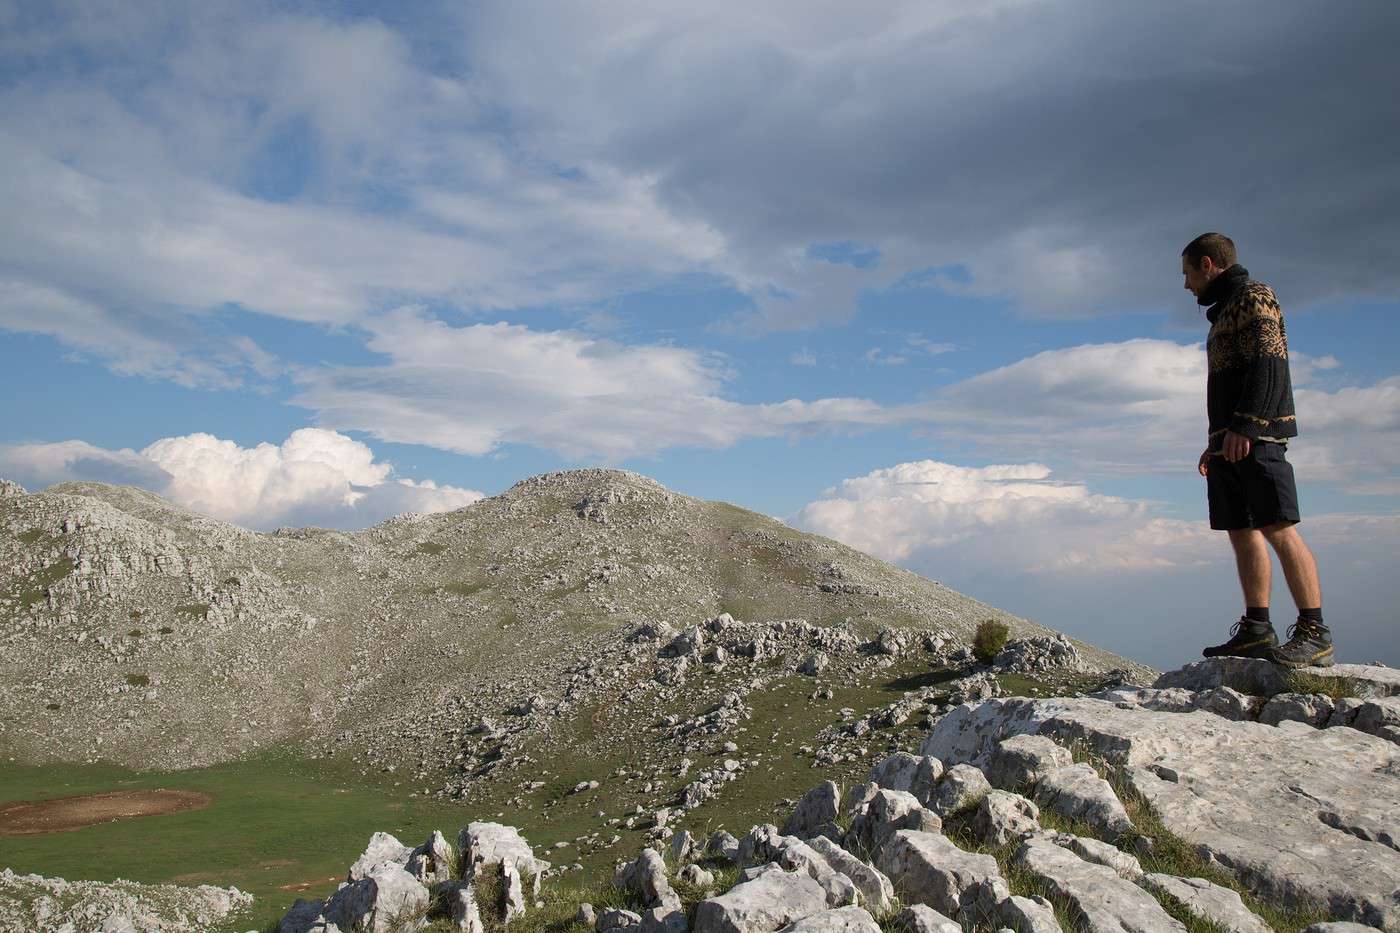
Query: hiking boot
(1309, 644)
(1248, 639)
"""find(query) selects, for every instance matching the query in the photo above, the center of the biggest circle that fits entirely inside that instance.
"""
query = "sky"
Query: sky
(903, 274)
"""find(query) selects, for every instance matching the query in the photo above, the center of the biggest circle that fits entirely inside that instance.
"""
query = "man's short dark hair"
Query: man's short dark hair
(1219, 247)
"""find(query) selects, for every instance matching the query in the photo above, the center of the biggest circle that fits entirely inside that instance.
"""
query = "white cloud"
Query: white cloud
(472, 388)
(315, 477)
(1009, 515)
(1116, 572)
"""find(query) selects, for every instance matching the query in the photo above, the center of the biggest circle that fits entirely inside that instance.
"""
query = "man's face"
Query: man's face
(1197, 278)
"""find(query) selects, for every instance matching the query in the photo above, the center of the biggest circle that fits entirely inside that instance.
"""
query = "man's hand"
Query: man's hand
(1236, 446)
(1204, 462)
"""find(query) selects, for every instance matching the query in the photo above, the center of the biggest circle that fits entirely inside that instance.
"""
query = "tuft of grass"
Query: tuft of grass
(989, 639)
(198, 610)
(431, 548)
(30, 536)
(166, 630)
(138, 680)
(135, 633)
(1338, 688)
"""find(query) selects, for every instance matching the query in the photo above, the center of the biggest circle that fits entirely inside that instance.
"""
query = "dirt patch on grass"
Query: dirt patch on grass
(30, 817)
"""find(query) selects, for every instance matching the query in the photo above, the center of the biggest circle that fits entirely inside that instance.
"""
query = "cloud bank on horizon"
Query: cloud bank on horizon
(886, 250)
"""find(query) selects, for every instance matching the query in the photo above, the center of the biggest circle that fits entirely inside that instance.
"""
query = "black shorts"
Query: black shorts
(1254, 492)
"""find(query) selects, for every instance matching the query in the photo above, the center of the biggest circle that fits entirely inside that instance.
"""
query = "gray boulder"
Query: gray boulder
(1023, 759)
(1102, 853)
(921, 918)
(1080, 794)
(618, 919)
(1228, 702)
(765, 904)
(431, 862)
(1284, 808)
(850, 919)
(875, 889)
(928, 869)
(383, 849)
(885, 812)
(961, 787)
(483, 843)
(816, 813)
(1104, 900)
(916, 774)
(1260, 678)
(1208, 901)
(1309, 708)
(1003, 816)
(380, 902)
(466, 914)
(723, 845)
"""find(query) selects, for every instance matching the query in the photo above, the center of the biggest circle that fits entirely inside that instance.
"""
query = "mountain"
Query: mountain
(137, 632)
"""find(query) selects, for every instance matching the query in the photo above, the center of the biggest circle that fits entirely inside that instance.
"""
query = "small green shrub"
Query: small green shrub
(136, 633)
(990, 639)
(136, 615)
(166, 630)
(138, 680)
(199, 610)
(431, 547)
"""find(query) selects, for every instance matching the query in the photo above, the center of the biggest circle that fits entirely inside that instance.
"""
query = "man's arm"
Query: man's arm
(1264, 344)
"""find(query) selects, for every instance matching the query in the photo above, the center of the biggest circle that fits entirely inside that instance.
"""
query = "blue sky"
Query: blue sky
(907, 277)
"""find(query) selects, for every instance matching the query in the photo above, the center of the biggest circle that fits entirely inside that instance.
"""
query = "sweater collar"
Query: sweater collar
(1221, 288)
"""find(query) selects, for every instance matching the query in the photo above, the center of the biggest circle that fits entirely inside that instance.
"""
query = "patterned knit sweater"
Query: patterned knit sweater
(1249, 390)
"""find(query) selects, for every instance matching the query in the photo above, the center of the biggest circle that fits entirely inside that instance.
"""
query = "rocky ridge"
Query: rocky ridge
(996, 825)
(439, 649)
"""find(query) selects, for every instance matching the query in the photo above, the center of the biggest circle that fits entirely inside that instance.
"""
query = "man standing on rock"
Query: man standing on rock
(1249, 401)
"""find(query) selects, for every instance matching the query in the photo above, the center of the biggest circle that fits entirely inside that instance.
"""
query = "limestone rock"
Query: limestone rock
(885, 812)
(695, 875)
(1228, 702)
(485, 843)
(1106, 901)
(432, 861)
(1208, 901)
(961, 787)
(916, 774)
(876, 891)
(767, 903)
(383, 849)
(619, 919)
(927, 868)
(816, 813)
(1102, 853)
(723, 845)
(379, 902)
(586, 914)
(1285, 808)
(836, 920)
(921, 918)
(1023, 759)
(1002, 817)
(1260, 678)
(512, 892)
(1080, 794)
(1311, 709)
(466, 913)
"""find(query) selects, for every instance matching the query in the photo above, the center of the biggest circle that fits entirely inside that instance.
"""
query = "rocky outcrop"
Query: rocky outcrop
(1298, 814)
(33, 902)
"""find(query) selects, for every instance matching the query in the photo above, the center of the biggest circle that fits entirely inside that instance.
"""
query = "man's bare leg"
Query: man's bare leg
(1255, 567)
(1299, 566)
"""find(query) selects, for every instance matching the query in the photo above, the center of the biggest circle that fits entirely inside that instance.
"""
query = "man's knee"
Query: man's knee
(1280, 532)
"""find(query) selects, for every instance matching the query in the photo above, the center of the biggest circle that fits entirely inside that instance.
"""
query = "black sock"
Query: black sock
(1312, 615)
(1259, 615)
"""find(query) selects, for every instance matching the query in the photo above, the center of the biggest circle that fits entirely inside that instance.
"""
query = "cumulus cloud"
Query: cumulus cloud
(314, 477)
(1120, 573)
(1013, 516)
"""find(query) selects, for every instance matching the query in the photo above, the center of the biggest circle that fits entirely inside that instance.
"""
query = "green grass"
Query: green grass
(1337, 688)
(138, 680)
(197, 610)
(41, 581)
(431, 548)
(30, 537)
(275, 820)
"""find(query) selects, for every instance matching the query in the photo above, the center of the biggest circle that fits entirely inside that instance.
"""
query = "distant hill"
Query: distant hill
(138, 632)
